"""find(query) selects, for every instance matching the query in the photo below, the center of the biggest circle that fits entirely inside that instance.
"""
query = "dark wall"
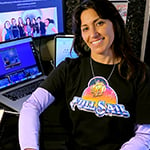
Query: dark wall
(135, 23)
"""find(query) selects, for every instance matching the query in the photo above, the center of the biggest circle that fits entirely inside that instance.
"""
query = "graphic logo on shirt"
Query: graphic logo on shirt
(99, 98)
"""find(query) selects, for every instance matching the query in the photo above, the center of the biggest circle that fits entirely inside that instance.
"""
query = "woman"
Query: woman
(7, 33)
(15, 29)
(36, 30)
(28, 27)
(50, 26)
(106, 89)
(21, 27)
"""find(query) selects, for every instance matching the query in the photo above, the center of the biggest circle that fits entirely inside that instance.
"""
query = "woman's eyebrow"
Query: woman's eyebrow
(83, 25)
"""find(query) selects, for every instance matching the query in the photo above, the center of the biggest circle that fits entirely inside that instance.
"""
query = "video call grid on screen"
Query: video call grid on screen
(12, 10)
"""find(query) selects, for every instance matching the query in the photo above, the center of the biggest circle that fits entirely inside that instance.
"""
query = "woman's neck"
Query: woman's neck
(105, 59)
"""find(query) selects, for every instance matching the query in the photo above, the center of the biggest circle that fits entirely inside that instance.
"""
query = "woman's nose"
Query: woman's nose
(94, 33)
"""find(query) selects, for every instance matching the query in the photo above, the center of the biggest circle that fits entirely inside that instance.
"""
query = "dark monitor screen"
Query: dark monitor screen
(34, 18)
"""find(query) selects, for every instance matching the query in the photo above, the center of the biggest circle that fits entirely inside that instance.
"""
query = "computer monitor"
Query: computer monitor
(63, 45)
(30, 18)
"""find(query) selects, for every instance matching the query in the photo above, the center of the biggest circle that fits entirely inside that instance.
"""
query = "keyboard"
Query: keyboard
(23, 91)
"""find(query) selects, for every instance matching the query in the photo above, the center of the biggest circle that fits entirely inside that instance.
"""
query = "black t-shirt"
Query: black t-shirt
(103, 113)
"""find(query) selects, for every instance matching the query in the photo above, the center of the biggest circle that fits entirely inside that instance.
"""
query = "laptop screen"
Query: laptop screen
(17, 62)
(63, 44)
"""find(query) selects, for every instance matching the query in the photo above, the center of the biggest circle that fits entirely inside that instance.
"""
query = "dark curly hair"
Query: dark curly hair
(121, 44)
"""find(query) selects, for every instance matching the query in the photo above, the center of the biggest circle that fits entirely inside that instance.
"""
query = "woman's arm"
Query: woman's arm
(29, 118)
(3, 34)
(141, 140)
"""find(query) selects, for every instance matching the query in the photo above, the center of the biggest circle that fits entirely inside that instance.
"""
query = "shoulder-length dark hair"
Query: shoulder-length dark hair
(121, 44)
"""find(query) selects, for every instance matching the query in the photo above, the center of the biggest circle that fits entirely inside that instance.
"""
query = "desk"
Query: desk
(53, 135)
(9, 131)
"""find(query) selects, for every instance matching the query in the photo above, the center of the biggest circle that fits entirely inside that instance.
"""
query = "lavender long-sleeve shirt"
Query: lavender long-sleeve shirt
(29, 124)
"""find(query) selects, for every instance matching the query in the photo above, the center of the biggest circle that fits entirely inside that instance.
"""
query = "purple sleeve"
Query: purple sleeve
(29, 118)
(141, 140)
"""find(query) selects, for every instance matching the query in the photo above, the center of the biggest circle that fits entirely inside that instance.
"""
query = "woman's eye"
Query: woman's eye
(84, 29)
(100, 23)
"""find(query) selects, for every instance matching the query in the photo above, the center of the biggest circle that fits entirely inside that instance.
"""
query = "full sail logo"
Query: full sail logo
(99, 98)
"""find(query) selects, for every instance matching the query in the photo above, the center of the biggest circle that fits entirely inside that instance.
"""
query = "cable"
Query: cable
(11, 112)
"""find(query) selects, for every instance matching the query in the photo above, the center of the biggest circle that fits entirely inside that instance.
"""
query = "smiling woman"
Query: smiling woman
(98, 34)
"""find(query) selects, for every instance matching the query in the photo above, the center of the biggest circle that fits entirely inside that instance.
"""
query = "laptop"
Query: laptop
(20, 71)
(63, 45)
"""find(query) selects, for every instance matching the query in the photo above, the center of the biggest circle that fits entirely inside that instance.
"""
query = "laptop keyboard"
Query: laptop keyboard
(23, 91)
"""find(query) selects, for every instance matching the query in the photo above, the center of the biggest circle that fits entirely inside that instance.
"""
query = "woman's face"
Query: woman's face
(13, 21)
(20, 20)
(33, 21)
(7, 25)
(28, 21)
(97, 33)
(46, 22)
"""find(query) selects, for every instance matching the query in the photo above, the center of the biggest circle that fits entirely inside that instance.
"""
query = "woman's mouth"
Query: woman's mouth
(97, 41)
